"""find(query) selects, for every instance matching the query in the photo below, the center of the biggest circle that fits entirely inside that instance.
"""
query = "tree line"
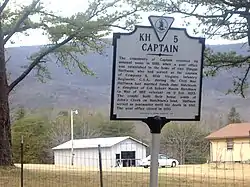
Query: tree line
(41, 132)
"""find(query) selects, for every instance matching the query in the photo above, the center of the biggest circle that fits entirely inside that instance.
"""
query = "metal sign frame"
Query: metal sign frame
(116, 36)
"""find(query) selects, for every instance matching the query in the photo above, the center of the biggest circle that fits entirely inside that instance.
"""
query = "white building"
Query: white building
(115, 151)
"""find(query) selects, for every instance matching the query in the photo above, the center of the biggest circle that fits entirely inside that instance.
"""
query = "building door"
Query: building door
(128, 158)
(117, 160)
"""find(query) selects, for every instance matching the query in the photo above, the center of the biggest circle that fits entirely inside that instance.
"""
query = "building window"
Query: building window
(230, 144)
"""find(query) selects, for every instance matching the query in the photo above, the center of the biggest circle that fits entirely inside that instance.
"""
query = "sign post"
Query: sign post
(157, 78)
(155, 124)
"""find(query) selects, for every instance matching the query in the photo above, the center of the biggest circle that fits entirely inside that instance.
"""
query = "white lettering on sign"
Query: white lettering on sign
(157, 78)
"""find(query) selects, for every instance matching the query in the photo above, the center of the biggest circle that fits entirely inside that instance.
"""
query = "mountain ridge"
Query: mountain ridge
(76, 90)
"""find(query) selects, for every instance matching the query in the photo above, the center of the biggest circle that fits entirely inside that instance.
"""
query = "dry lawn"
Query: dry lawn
(187, 176)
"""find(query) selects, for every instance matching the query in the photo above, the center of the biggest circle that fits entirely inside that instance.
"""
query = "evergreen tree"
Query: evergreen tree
(20, 113)
(233, 116)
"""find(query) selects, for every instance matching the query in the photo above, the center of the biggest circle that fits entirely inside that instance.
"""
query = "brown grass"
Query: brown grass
(189, 176)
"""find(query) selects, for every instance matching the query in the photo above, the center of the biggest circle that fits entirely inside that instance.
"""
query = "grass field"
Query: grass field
(190, 176)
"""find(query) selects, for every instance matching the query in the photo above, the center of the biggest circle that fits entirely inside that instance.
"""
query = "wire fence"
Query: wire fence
(126, 163)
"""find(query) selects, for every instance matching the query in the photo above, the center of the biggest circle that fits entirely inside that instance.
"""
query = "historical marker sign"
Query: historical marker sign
(157, 71)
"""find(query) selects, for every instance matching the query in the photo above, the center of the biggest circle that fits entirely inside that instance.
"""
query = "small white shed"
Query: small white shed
(116, 152)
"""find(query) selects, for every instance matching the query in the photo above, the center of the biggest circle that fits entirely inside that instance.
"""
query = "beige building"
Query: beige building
(230, 143)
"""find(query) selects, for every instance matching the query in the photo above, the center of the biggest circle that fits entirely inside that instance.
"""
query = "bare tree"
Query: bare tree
(86, 130)
(186, 142)
(218, 157)
(60, 130)
(85, 126)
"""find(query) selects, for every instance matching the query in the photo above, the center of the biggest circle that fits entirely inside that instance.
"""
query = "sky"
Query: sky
(68, 8)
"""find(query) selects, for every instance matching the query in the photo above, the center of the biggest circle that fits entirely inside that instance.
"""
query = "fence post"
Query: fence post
(100, 165)
(21, 161)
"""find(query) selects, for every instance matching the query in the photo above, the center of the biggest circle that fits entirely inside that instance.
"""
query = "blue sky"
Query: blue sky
(68, 8)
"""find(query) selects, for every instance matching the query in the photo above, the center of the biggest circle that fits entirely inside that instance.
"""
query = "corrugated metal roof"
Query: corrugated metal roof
(235, 130)
(94, 142)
